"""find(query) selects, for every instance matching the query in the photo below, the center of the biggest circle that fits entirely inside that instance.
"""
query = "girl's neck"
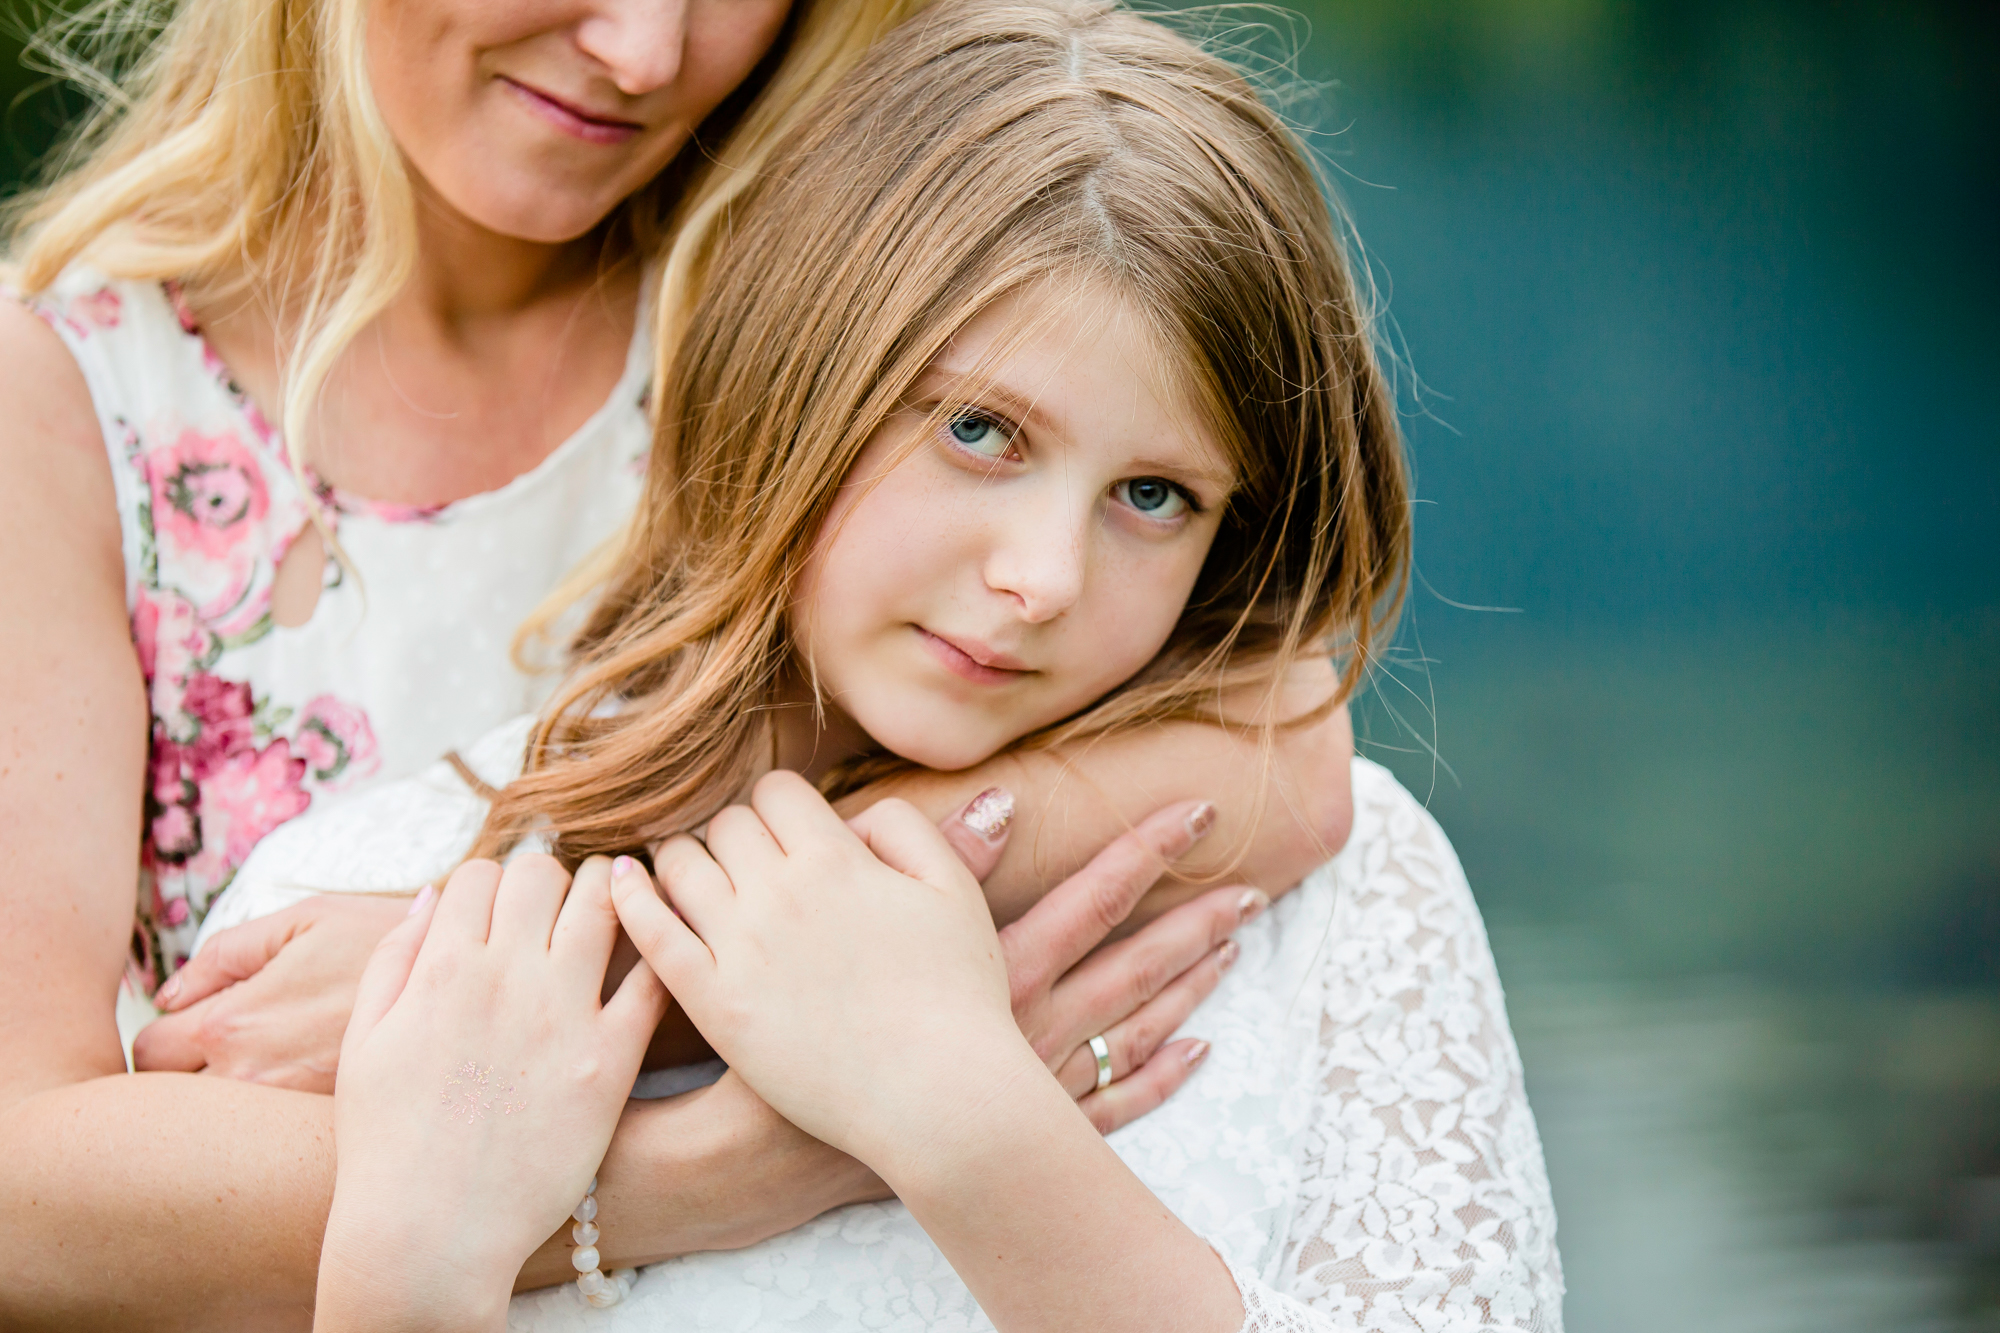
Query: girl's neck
(812, 741)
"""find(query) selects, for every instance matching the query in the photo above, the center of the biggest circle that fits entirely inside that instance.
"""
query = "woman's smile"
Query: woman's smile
(571, 120)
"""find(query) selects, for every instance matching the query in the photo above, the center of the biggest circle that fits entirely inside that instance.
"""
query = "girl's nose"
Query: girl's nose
(640, 43)
(1041, 560)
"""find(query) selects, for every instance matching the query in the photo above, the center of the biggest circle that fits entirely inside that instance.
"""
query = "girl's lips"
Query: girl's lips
(571, 120)
(964, 665)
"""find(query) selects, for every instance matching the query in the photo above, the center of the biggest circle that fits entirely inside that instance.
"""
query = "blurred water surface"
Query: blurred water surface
(1696, 306)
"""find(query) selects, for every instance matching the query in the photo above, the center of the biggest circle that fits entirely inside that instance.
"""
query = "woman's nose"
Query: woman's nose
(1042, 560)
(640, 43)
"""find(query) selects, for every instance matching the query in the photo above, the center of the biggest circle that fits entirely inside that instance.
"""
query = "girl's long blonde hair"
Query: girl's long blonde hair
(236, 146)
(983, 146)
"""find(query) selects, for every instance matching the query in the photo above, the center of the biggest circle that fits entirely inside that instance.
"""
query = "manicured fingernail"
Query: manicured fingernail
(1196, 1053)
(1201, 819)
(1251, 905)
(990, 813)
(1225, 957)
(168, 991)
(622, 866)
(424, 897)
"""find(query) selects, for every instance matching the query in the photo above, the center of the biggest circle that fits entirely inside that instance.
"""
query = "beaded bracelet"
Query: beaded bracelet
(600, 1290)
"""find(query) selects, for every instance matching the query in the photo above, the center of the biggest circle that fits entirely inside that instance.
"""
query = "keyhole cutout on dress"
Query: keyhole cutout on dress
(301, 574)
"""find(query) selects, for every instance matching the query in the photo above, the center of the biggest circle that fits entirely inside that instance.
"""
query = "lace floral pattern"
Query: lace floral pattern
(1358, 1147)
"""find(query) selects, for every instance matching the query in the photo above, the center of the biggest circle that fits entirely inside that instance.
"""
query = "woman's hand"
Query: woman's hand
(1135, 993)
(267, 1001)
(480, 1081)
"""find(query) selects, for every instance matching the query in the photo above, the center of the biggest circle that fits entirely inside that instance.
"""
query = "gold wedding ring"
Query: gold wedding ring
(1101, 1048)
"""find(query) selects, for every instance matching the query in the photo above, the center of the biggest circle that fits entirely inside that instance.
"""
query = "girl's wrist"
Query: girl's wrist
(955, 1127)
(375, 1280)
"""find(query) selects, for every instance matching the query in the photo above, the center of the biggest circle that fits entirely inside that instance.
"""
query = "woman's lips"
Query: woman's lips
(569, 119)
(988, 668)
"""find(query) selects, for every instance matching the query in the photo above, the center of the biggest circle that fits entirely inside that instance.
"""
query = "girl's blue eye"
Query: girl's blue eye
(981, 434)
(1155, 497)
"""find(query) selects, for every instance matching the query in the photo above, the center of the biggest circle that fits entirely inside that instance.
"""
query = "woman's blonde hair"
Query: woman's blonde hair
(981, 147)
(242, 152)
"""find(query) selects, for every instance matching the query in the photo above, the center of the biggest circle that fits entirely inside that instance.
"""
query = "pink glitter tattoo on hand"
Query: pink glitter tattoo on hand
(470, 1091)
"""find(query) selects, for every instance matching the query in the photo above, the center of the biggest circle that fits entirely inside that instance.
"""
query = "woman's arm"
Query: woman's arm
(170, 1200)
(1277, 816)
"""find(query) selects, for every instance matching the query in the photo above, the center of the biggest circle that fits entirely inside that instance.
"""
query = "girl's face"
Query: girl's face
(535, 118)
(978, 581)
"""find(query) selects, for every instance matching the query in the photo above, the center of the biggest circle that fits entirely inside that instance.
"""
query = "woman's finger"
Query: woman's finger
(1122, 977)
(1133, 1040)
(978, 830)
(1078, 913)
(1142, 1091)
(389, 968)
(465, 904)
(530, 897)
(676, 955)
(587, 927)
(229, 957)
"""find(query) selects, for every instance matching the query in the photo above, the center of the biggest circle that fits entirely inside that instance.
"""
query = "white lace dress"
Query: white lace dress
(1358, 1147)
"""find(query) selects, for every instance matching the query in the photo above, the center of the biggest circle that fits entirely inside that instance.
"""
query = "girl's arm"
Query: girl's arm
(1277, 816)
(919, 1069)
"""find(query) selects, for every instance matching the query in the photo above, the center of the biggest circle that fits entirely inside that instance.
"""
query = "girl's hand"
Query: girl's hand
(852, 976)
(480, 1080)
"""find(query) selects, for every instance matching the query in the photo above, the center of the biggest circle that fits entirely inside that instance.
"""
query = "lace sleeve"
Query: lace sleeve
(1424, 1203)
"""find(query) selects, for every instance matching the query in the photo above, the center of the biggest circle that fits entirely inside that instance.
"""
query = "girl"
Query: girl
(1078, 425)
(332, 365)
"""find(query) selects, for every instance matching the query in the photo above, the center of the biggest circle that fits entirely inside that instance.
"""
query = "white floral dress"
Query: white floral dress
(252, 722)
(1358, 1147)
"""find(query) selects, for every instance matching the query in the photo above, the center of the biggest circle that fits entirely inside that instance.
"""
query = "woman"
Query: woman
(413, 237)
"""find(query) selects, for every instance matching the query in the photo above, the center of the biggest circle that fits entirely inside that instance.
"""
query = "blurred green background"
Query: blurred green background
(1696, 301)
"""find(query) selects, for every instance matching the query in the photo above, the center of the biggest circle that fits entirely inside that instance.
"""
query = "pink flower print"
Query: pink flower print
(336, 742)
(221, 711)
(99, 310)
(173, 912)
(250, 794)
(174, 822)
(170, 636)
(208, 494)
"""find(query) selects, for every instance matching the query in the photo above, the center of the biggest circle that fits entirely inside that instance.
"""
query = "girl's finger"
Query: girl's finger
(527, 902)
(465, 904)
(676, 955)
(1142, 1091)
(905, 841)
(699, 889)
(1133, 1040)
(738, 840)
(388, 970)
(586, 929)
(1078, 913)
(1126, 975)
(640, 1001)
(794, 812)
